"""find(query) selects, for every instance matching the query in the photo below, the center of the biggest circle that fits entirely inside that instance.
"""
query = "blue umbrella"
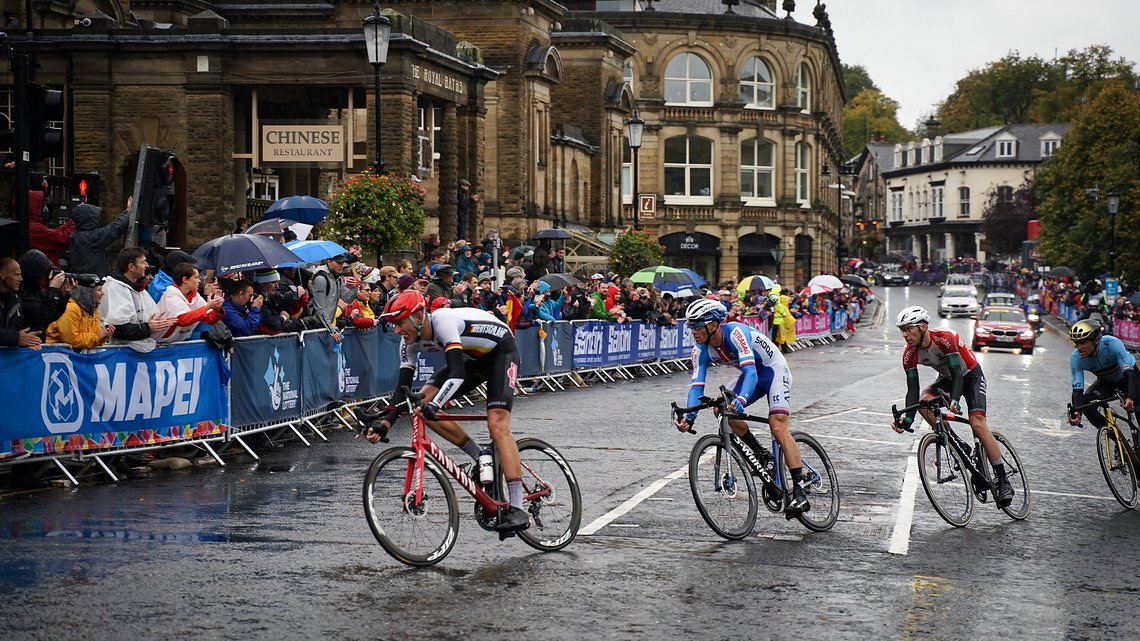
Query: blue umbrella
(303, 209)
(243, 252)
(312, 251)
(698, 280)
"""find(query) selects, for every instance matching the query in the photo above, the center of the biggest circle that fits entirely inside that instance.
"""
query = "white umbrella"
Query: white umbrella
(827, 280)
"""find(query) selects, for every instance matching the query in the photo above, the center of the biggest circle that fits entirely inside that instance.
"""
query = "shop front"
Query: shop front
(696, 251)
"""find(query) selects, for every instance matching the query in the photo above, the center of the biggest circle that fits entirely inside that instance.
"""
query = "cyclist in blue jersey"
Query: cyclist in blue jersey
(1107, 358)
(763, 372)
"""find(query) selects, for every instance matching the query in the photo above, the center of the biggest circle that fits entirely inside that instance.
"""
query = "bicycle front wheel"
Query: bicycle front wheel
(1022, 500)
(723, 488)
(414, 531)
(1117, 467)
(550, 495)
(820, 482)
(946, 480)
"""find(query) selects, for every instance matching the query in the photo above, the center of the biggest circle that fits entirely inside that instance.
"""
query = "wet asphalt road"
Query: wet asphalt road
(279, 549)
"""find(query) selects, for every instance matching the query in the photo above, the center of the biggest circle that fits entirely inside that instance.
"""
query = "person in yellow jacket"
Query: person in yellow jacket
(79, 326)
(782, 320)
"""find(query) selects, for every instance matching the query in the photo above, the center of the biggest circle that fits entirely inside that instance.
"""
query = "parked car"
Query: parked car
(958, 301)
(1003, 326)
(1001, 299)
(894, 278)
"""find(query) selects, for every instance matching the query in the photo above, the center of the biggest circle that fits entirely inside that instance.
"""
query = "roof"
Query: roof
(1028, 147)
(749, 8)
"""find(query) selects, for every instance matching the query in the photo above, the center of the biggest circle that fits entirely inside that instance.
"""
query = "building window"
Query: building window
(925, 152)
(936, 203)
(428, 138)
(757, 91)
(688, 169)
(688, 81)
(627, 74)
(897, 206)
(758, 170)
(803, 174)
(626, 172)
(1005, 194)
(1049, 146)
(1006, 148)
(963, 202)
(803, 88)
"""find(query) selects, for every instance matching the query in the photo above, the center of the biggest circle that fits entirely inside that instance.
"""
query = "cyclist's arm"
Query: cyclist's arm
(957, 375)
(1132, 376)
(741, 340)
(697, 388)
(1077, 373)
(912, 392)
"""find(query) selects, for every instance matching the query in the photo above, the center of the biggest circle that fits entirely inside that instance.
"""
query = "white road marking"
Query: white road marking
(624, 525)
(862, 440)
(1050, 432)
(864, 423)
(900, 538)
(1076, 496)
(878, 413)
(820, 418)
(631, 503)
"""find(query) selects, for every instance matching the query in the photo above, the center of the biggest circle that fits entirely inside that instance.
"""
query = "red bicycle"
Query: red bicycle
(415, 516)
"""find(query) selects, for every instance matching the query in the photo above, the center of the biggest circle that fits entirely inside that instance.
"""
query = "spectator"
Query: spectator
(79, 326)
(578, 302)
(88, 244)
(50, 240)
(182, 302)
(549, 302)
(359, 313)
(165, 277)
(43, 292)
(466, 261)
(127, 306)
(13, 331)
(430, 245)
(464, 198)
(443, 284)
(279, 304)
(405, 281)
(240, 225)
(387, 287)
(405, 266)
(558, 261)
(242, 308)
(329, 292)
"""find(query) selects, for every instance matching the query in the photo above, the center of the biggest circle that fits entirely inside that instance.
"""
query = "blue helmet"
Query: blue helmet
(703, 311)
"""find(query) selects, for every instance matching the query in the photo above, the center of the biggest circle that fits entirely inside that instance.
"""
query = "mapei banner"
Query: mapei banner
(67, 401)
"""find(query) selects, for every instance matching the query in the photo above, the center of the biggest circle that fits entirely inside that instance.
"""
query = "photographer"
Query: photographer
(242, 308)
(43, 292)
(79, 326)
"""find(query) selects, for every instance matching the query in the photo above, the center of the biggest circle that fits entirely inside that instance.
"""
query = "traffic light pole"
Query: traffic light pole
(20, 70)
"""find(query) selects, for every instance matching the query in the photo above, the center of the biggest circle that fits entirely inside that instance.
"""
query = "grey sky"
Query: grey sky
(915, 50)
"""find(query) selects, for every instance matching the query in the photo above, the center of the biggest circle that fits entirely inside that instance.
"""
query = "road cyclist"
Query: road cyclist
(1107, 358)
(763, 372)
(478, 348)
(958, 374)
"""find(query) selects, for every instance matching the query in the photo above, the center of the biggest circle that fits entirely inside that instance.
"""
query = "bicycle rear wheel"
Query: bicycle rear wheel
(1022, 499)
(946, 480)
(550, 495)
(1117, 467)
(722, 488)
(820, 482)
(414, 532)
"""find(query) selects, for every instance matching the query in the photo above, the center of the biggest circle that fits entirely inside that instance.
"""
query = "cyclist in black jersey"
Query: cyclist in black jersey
(479, 348)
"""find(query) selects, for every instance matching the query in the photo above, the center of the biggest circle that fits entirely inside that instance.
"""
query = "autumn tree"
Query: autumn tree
(871, 116)
(856, 79)
(1005, 218)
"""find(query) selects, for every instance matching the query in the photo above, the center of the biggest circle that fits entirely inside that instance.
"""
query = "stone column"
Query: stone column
(950, 251)
(929, 253)
(979, 238)
(448, 176)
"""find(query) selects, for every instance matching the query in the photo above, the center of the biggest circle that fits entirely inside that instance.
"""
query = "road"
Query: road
(279, 549)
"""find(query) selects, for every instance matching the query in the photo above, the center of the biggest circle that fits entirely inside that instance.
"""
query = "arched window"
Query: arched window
(803, 174)
(757, 91)
(688, 169)
(688, 81)
(627, 74)
(803, 88)
(758, 170)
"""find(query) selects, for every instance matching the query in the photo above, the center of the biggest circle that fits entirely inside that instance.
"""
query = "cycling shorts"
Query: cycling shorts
(775, 383)
(499, 369)
(973, 390)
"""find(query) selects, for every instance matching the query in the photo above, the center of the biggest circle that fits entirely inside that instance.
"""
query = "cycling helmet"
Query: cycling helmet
(912, 316)
(408, 302)
(773, 298)
(703, 311)
(1084, 330)
(439, 302)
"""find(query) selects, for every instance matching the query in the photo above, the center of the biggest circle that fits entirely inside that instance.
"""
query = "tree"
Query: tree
(1002, 93)
(1085, 74)
(384, 212)
(856, 79)
(871, 116)
(634, 250)
(1005, 218)
(1102, 152)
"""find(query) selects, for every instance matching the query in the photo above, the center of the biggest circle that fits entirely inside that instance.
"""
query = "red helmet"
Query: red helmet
(439, 302)
(408, 302)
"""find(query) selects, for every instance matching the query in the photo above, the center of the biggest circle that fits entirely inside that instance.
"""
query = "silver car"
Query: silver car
(958, 301)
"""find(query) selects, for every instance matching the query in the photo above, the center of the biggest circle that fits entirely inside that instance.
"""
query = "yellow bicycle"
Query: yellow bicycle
(1118, 458)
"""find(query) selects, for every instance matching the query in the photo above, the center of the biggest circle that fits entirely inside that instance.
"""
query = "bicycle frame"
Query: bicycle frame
(946, 433)
(1110, 417)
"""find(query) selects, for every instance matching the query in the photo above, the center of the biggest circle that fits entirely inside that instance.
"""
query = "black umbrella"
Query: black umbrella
(243, 252)
(559, 280)
(852, 279)
(274, 227)
(552, 234)
(1062, 272)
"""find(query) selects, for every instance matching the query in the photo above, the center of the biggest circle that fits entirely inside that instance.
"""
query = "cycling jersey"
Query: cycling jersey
(958, 370)
(1110, 362)
(741, 348)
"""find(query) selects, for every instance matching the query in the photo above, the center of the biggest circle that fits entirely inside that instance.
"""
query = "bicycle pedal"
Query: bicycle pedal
(503, 536)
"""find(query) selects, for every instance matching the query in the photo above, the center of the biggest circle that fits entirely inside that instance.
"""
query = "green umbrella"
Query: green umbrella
(661, 275)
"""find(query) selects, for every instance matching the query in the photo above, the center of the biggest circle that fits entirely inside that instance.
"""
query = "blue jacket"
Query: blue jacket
(158, 286)
(242, 320)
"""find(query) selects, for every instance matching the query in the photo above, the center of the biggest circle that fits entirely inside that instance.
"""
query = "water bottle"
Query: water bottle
(486, 466)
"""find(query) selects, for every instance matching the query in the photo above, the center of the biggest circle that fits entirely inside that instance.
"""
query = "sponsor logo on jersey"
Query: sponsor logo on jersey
(490, 329)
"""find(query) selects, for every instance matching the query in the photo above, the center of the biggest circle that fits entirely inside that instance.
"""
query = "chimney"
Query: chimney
(933, 128)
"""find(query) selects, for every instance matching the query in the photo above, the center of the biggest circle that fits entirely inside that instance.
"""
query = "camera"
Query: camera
(86, 280)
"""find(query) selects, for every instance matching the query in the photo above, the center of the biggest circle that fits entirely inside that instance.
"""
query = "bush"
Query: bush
(384, 212)
(634, 250)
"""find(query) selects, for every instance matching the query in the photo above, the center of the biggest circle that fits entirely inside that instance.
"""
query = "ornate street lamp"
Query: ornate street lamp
(1113, 201)
(377, 30)
(635, 126)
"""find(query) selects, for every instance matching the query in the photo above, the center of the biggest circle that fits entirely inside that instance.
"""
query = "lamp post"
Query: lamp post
(1113, 201)
(377, 29)
(778, 255)
(635, 126)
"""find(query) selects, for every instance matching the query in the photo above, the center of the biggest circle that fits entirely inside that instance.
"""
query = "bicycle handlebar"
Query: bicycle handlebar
(721, 403)
(936, 403)
(1102, 402)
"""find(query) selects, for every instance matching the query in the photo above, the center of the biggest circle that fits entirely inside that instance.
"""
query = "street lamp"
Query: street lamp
(635, 126)
(778, 255)
(377, 29)
(1113, 201)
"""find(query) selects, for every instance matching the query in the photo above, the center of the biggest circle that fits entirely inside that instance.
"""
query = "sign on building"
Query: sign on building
(647, 206)
(302, 143)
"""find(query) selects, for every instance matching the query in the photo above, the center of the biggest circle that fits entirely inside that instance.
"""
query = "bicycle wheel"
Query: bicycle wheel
(946, 480)
(722, 488)
(550, 495)
(1117, 467)
(417, 533)
(820, 482)
(1022, 499)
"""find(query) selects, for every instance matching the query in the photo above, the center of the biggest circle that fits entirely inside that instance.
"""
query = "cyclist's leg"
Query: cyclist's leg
(450, 430)
(1098, 391)
(779, 393)
(974, 391)
(500, 371)
(930, 393)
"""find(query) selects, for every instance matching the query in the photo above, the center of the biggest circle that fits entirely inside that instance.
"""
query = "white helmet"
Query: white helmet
(703, 311)
(912, 316)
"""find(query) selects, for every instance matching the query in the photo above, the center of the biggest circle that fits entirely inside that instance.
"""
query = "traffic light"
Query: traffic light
(156, 194)
(44, 107)
(85, 187)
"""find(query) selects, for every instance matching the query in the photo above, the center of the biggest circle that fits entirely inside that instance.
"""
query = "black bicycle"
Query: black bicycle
(953, 473)
(1118, 457)
(721, 467)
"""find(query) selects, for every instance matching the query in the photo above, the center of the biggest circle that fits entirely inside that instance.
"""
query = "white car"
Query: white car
(958, 301)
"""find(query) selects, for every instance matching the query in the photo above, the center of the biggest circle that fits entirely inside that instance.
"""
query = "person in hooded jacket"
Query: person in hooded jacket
(128, 307)
(89, 242)
(50, 240)
(43, 295)
(79, 326)
(165, 276)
